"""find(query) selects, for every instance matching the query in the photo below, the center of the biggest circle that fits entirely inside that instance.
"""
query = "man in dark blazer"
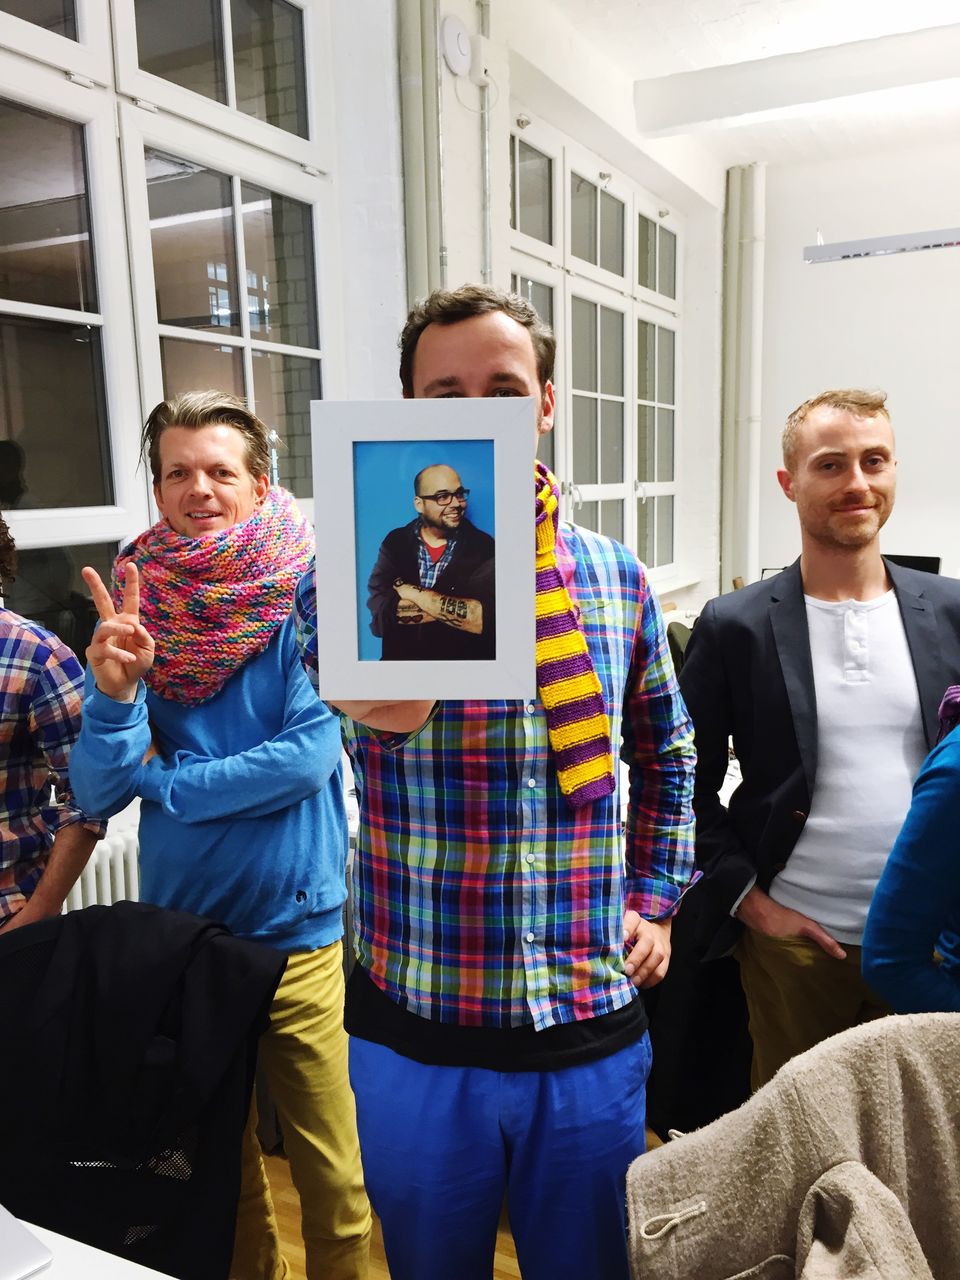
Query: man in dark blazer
(827, 678)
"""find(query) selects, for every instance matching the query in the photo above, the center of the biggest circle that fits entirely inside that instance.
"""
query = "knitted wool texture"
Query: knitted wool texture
(577, 721)
(212, 603)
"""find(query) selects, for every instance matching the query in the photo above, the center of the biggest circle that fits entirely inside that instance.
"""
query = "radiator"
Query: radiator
(110, 875)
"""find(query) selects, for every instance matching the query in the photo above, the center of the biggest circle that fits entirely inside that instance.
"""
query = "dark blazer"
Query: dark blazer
(748, 674)
(129, 1045)
(470, 574)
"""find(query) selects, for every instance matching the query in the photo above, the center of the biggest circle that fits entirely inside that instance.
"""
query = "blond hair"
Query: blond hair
(206, 409)
(864, 404)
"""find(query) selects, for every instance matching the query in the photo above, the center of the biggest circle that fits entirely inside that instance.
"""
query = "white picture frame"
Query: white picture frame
(366, 455)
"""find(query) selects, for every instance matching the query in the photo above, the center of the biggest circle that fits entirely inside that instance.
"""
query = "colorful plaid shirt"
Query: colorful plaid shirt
(41, 691)
(481, 897)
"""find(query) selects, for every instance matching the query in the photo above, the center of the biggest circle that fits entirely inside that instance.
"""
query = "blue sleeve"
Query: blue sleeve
(918, 894)
(106, 764)
(292, 766)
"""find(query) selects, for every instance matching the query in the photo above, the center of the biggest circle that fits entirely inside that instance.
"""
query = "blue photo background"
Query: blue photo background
(383, 472)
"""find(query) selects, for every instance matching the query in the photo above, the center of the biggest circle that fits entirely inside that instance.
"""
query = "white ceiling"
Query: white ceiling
(649, 39)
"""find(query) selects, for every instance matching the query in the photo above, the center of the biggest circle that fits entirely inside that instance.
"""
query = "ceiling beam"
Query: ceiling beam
(767, 87)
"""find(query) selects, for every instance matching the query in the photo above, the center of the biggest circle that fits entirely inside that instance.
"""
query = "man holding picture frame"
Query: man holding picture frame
(504, 923)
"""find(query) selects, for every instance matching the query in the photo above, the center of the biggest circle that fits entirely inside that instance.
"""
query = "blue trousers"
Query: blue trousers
(443, 1146)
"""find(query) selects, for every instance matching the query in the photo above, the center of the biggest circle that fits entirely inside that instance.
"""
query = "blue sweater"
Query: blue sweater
(242, 816)
(916, 906)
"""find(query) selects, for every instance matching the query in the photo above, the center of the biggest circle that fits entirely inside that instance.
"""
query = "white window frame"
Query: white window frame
(570, 276)
(644, 489)
(645, 205)
(315, 154)
(589, 166)
(548, 142)
(88, 56)
(140, 128)
(43, 89)
(550, 277)
(578, 494)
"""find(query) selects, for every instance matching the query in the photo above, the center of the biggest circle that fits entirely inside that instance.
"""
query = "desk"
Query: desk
(75, 1261)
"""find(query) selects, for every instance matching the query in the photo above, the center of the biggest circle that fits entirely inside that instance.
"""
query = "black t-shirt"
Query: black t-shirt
(372, 1015)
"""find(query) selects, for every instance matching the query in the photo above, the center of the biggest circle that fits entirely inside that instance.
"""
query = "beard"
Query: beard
(839, 532)
(449, 532)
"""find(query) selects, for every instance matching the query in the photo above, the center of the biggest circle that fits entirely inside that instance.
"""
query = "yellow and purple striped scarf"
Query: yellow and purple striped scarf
(212, 603)
(577, 721)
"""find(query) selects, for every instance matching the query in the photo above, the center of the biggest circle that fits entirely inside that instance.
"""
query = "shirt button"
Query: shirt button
(530, 937)
(531, 782)
(530, 857)
(530, 708)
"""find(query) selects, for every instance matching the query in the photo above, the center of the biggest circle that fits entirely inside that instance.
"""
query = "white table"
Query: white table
(75, 1261)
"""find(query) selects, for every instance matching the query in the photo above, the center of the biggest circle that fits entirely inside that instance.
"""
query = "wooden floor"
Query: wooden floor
(287, 1204)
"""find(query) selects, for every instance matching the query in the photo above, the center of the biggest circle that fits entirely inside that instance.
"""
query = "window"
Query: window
(656, 257)
(656, 415)
(58, 16)
(196, 264)
(611, 297)
(540, 296)
(262, 73)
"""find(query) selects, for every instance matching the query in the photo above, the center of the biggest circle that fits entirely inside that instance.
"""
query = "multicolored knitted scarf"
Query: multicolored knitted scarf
(212, 603)
(577, 721)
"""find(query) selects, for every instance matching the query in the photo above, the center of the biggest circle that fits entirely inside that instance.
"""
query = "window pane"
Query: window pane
(540, 296)
(611, 351)
(281, 278)
(664, 530)
(53, 415)
(611, 519)
(645, 516)
(646, 345)
(45, 252)
(647, 253)
(513, 182)
(194, 253)
(200, 366)
(535, 176)
(269, 64)
(586, 515)
(666, 348)
(611, 233)
(664, 444)
(58, 16)
(283, 387)
(645, 442)
(182, 41)
(668, 263)
(583, 218)
(584, 440)
(49, 590)
(584, 344)
(611, 442)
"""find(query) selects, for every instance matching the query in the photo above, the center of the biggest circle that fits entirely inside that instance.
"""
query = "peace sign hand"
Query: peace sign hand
(121, 651)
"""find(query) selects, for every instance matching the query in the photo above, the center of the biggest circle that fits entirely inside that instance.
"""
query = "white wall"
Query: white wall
(369, 192)
(890, 322)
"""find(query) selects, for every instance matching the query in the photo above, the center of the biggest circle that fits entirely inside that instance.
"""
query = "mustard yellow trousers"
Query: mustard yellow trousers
(303, 1054)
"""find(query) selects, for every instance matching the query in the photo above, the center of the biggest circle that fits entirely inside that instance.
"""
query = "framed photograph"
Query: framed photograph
(425, 548)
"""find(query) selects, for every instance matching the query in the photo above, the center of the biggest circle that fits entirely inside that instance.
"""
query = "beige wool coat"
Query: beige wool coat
(847, 1164)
